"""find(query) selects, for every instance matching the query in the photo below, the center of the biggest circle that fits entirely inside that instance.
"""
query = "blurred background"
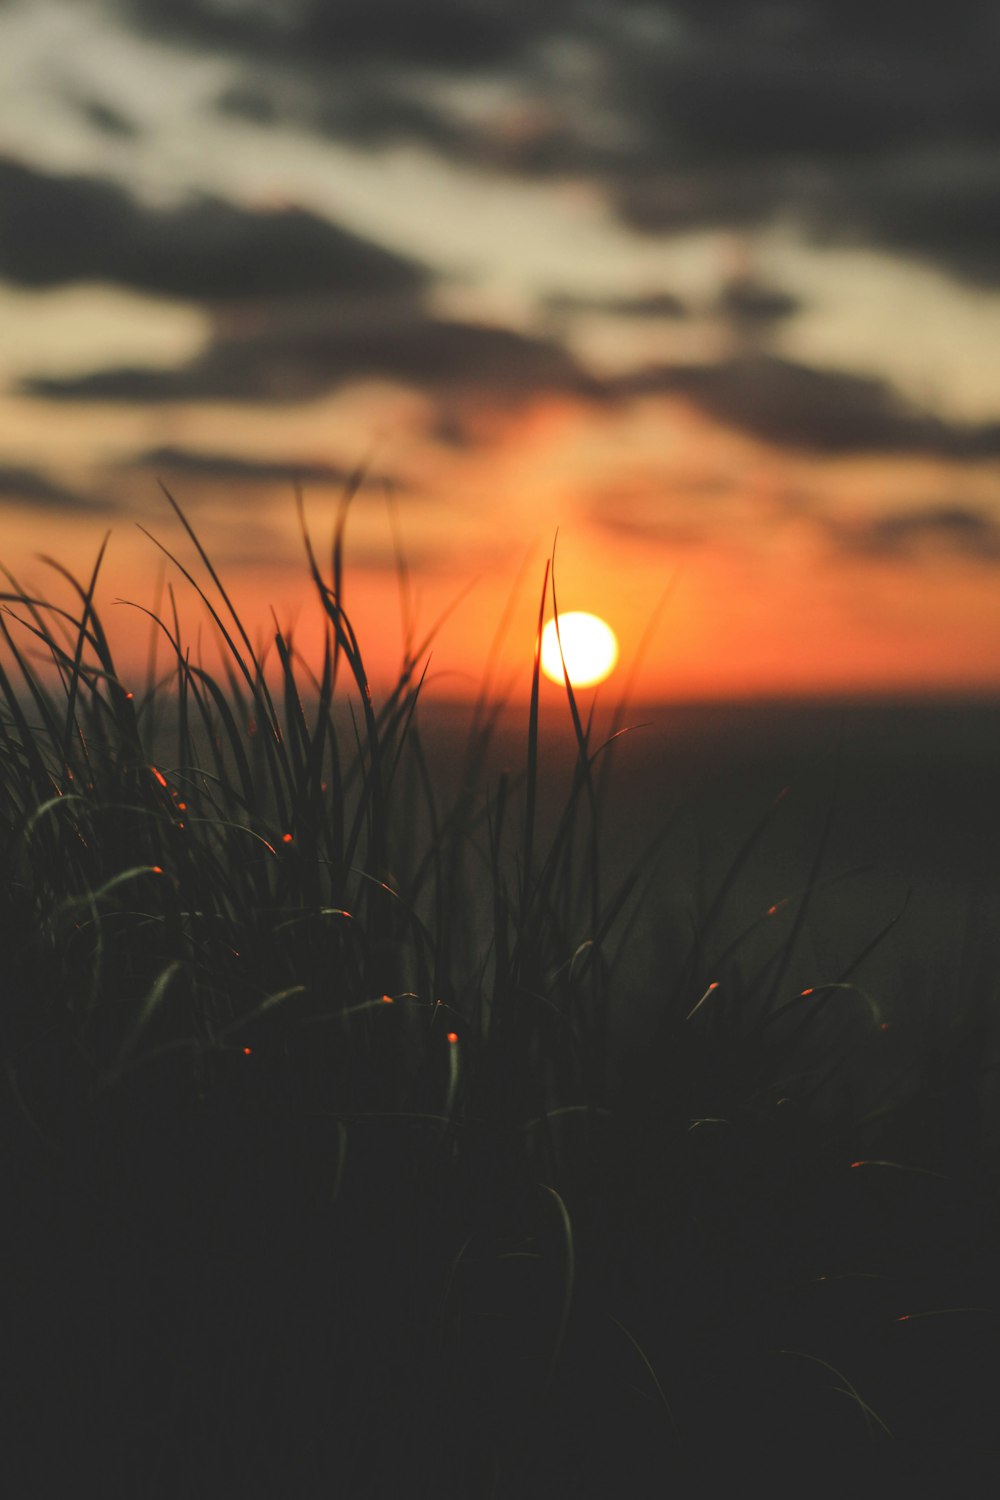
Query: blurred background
(713, 289)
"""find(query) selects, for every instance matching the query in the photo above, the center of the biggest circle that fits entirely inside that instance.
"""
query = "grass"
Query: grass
(328, 1168)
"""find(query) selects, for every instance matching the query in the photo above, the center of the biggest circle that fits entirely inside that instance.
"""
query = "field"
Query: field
(462, 1101)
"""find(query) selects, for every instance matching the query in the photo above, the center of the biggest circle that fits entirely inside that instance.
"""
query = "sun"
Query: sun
(589, 647)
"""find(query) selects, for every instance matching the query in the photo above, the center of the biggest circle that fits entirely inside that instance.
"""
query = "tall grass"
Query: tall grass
(260, 865)
(315, 1151)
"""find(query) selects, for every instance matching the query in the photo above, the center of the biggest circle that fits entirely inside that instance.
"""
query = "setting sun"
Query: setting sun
(589, 647)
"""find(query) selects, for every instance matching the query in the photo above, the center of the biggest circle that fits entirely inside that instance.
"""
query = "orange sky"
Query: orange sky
(738, 621)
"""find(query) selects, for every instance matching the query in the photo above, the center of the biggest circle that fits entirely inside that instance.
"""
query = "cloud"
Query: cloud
(956, 529)
(107, 119)
(669, 511)
(305, 356)
(360, 106)
(124, 383)
(61, 229)
(286, 358)
(825, 411)
(450, 34)
(228, 466)
(754, 304)
(679, 198)
(531, 119)
(861, 122)
(649, 305)
(32, 487)
(249, 99)
(656, 508)
(689, 115)
(941, 206)
(819, 79)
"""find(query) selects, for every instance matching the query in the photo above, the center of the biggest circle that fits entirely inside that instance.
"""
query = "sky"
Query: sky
(710, 291)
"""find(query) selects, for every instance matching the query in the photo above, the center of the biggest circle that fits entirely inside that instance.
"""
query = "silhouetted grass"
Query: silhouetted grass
(320, 1178)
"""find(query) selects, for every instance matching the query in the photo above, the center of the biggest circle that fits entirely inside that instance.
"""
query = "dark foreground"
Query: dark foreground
(769, 1244)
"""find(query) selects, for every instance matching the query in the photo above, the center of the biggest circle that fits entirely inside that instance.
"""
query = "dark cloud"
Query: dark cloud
(650, 305)
(865, 124)
(727, 116)
(789, 44)
(825, 411)
(856, 27)
(774, 400)
(105, 118)
(859, 121)
(535, 128)
(307, 356)
(228, 466)
(677, 198)
(718, 100)
(371, 111)
(452, 34)
(32, 487)
(821, 77)
(939, 206)
(250, 100)
(932, 531)
(124, 383)
(943, 207)
(754, 304)
(60, 229)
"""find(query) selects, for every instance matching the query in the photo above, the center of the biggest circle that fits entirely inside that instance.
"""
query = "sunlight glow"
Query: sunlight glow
(588, 645)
